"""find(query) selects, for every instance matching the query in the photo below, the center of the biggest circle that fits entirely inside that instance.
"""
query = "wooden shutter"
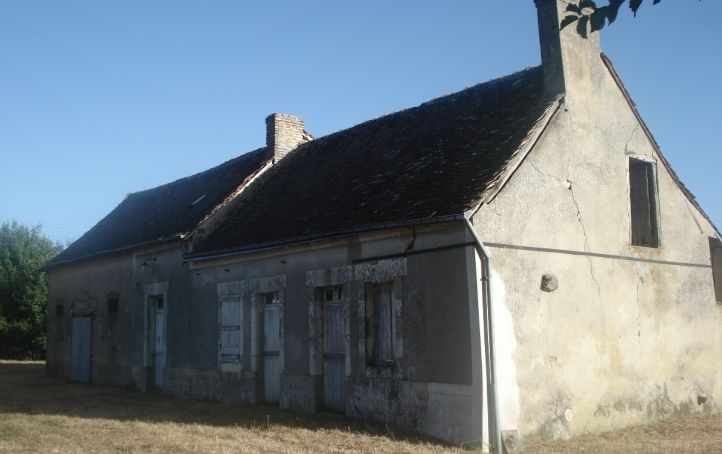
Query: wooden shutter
(715, 247)
(231, 334)
(643, 201)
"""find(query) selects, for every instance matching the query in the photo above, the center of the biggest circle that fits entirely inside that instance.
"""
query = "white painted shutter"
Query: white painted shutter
(231, 334)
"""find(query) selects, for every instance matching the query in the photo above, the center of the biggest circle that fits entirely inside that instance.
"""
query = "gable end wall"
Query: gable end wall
(632, 334)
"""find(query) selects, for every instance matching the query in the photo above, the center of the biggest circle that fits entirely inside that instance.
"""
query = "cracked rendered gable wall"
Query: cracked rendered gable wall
(622, 340)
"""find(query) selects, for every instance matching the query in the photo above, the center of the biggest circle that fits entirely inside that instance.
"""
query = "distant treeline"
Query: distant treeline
(23, 290)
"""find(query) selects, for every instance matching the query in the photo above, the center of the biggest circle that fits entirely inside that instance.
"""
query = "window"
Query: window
(113, 299)
(715, 248)
(268, 298)
(379, 325)
(328, 294)
(231, 333)
(643, 203)
(59, 308)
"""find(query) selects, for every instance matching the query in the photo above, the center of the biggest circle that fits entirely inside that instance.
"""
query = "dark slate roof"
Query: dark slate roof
(163, 213)
(428, 162)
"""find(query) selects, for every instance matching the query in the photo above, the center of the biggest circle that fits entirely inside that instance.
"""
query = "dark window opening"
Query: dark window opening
(268, 298)
(113, 299)
(715, 248)
(59, 309)
(379, 325)
(333, 293)
(643, 203)
(159, 303)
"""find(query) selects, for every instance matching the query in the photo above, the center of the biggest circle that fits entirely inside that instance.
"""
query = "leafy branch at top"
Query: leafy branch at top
(589, 16)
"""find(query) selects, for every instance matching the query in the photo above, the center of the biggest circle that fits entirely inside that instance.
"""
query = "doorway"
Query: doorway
(80, 349)
(271, 346)
(334, 349)
(156, 339)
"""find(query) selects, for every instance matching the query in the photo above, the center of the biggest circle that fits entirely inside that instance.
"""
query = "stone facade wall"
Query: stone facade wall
(430, 294)
(85, 289)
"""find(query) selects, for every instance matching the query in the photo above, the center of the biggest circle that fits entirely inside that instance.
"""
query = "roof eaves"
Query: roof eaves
(657, 149)
(261, 247)
(113, 251)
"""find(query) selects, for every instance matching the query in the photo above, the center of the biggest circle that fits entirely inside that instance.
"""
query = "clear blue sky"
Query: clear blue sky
(100, 98)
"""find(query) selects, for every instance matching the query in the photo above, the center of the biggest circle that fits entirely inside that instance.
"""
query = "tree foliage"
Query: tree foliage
(588, 16)
(23, 290)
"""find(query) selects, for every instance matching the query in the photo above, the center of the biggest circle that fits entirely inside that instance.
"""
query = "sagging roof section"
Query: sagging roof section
(430, 162)
(163, 213)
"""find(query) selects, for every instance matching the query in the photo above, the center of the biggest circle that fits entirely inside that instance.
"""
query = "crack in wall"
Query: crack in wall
(531, 162)
(639, 307)
(586, 239)
(553, 401)
(631, 137)
(568, 184)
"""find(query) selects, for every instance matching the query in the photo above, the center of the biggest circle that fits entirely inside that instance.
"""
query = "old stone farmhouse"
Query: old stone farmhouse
(517, 258)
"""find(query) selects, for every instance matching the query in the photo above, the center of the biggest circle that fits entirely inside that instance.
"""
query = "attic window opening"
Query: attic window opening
(643, 203)
(715, 249)
(199, 199)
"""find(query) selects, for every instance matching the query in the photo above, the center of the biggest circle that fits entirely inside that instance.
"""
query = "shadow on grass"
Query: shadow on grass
(25, 389)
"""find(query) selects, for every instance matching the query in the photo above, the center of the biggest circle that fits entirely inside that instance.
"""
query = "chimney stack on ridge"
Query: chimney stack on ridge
(283, 134)
(569, 61)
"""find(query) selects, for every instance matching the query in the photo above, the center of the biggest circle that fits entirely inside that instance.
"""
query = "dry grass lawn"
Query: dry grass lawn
(38, 414)
(701, 434)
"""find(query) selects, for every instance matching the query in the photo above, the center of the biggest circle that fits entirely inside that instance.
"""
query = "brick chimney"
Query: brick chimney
(283, 134)
(571, 63)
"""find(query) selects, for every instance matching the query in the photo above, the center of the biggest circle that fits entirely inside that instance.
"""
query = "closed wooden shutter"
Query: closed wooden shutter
(231, 334)
(715, 246)
(643, 201)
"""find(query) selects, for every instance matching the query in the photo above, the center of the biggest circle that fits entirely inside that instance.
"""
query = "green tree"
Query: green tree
(23, 290)
(590, 17)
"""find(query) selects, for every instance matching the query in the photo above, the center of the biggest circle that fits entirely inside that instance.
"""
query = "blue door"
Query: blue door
(80, 352)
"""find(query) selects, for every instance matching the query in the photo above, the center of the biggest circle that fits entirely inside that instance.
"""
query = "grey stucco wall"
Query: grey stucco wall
(429, 387)
(431, 379)
(84, 288)
(624, 339)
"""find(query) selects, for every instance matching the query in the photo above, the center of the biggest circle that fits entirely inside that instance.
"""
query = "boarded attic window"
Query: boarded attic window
(715, 249)
(643, 203)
